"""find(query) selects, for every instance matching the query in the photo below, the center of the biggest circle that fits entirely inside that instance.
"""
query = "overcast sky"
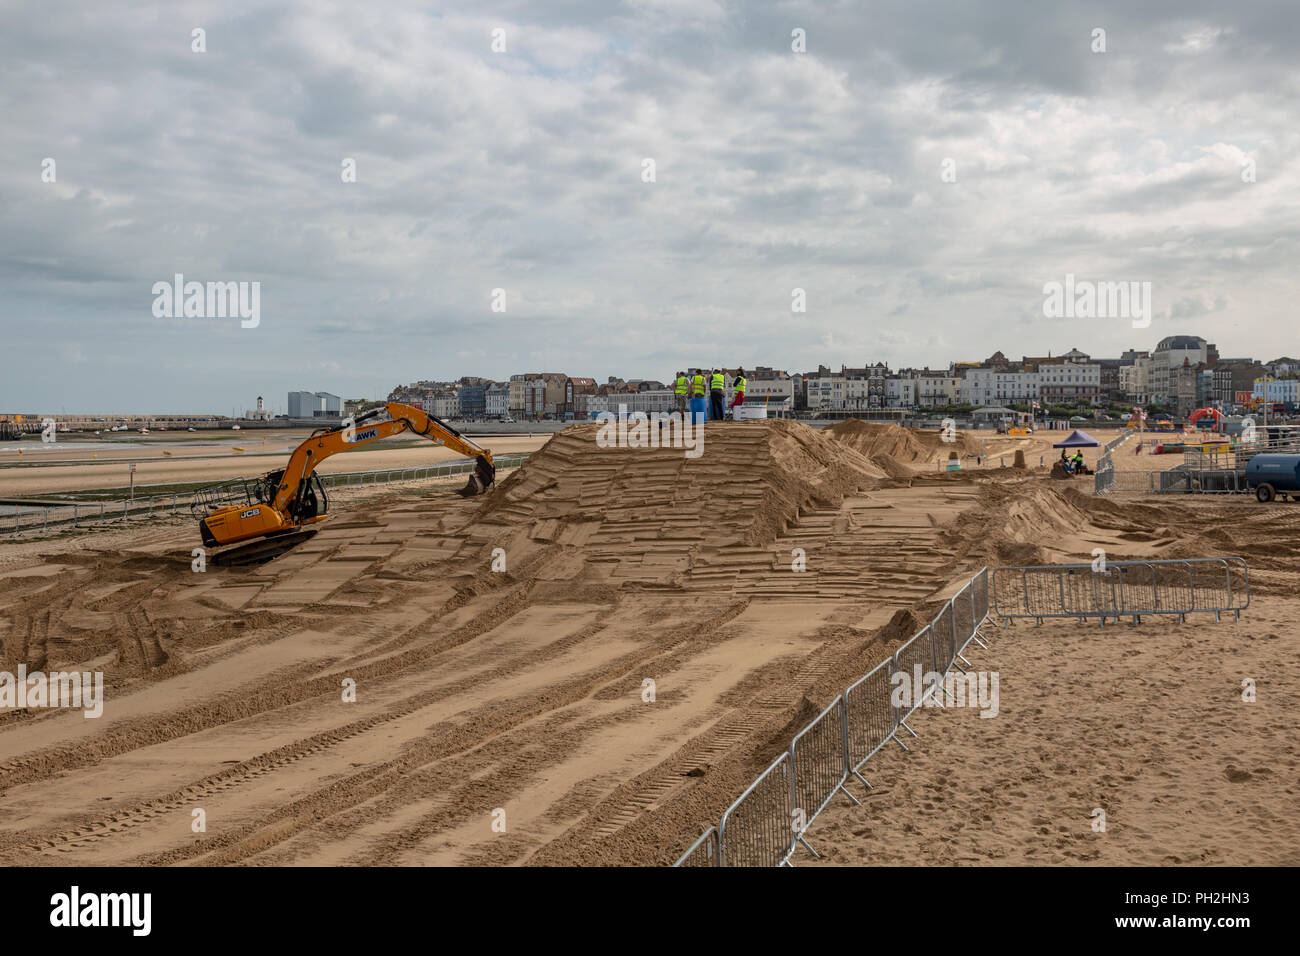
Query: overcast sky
(522, 170)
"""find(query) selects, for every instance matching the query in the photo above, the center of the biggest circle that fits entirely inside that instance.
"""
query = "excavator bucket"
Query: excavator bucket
(480, 479)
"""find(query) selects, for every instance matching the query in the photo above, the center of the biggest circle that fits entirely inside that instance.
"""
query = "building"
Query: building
(535, 394)
(999, 385)
(444, 404)
(1108, 387)
(1232, 376)
(824, 389)
(1072, 379)
(575, 391)
(767, 386)
(1167, 362)
(472, 401)
(900, 392)
(329, 404)
(261, 413)
(517, 390)
(649, 400)
(934, 388)
(1135, 377)
(1185, 383)
(303, 404)
(496, 400)
(1275, 391)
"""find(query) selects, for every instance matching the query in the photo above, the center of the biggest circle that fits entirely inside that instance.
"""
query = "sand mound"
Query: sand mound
(750, 481)
(904, 445)
(892, 466)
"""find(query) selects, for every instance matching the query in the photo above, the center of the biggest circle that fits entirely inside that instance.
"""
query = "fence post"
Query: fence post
(74, 516)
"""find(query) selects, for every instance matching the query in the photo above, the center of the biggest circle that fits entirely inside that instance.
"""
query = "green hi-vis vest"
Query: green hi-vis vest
(682, 385)
(740, 383)
(698, 383)
(717, 381)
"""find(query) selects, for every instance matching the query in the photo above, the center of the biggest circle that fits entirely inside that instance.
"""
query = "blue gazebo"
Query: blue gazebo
(1078, 439)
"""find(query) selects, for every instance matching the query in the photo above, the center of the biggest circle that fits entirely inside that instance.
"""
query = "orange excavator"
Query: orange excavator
(279, 505)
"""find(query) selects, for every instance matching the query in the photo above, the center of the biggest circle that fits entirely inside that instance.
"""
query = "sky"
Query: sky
(921, 171)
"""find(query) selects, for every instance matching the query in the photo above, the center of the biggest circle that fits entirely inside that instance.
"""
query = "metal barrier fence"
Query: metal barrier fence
(82, 514)
(819, 758)
(1116, 589)
(944, 636)
(758, 830)
(1103, 479)
(704, 851)
(42, 518)
(914, 657)
(358, 479)
(766, 823)
(869, 717)
(1104, 474)
(1114, 443)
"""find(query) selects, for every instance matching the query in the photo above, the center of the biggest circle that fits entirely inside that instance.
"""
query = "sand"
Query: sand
(190, 465)
(647, 649)
(1146, 724)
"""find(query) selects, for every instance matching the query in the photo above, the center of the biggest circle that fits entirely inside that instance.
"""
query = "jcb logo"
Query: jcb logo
(251, 513)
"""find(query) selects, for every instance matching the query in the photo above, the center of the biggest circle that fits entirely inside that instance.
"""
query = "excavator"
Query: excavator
(280, 505)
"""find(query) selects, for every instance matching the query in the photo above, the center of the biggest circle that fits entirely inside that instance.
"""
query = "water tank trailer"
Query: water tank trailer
(1274, 475)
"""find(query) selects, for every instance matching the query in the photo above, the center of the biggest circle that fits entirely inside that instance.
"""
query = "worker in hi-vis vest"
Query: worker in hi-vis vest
(717, 387)
(738, 385)
(682, 388)
(698, 404)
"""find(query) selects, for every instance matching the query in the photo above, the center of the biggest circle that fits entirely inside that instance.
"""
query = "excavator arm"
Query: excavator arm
(294, 497)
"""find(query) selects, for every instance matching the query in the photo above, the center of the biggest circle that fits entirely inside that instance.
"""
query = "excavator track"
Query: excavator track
(259, 552)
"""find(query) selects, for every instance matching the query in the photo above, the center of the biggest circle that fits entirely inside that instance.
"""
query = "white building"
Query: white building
(935, 388)
(261, 413)
(770, 391)
(653, 400)
(825, 390)
(1000, 385)
(443, 404)
(497, 400)
(900, 392)
(1069, 382)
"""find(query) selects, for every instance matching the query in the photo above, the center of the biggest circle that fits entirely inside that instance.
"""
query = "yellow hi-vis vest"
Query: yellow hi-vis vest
(739, 383)
(682, 385)
(717, 381)
(698, 384)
